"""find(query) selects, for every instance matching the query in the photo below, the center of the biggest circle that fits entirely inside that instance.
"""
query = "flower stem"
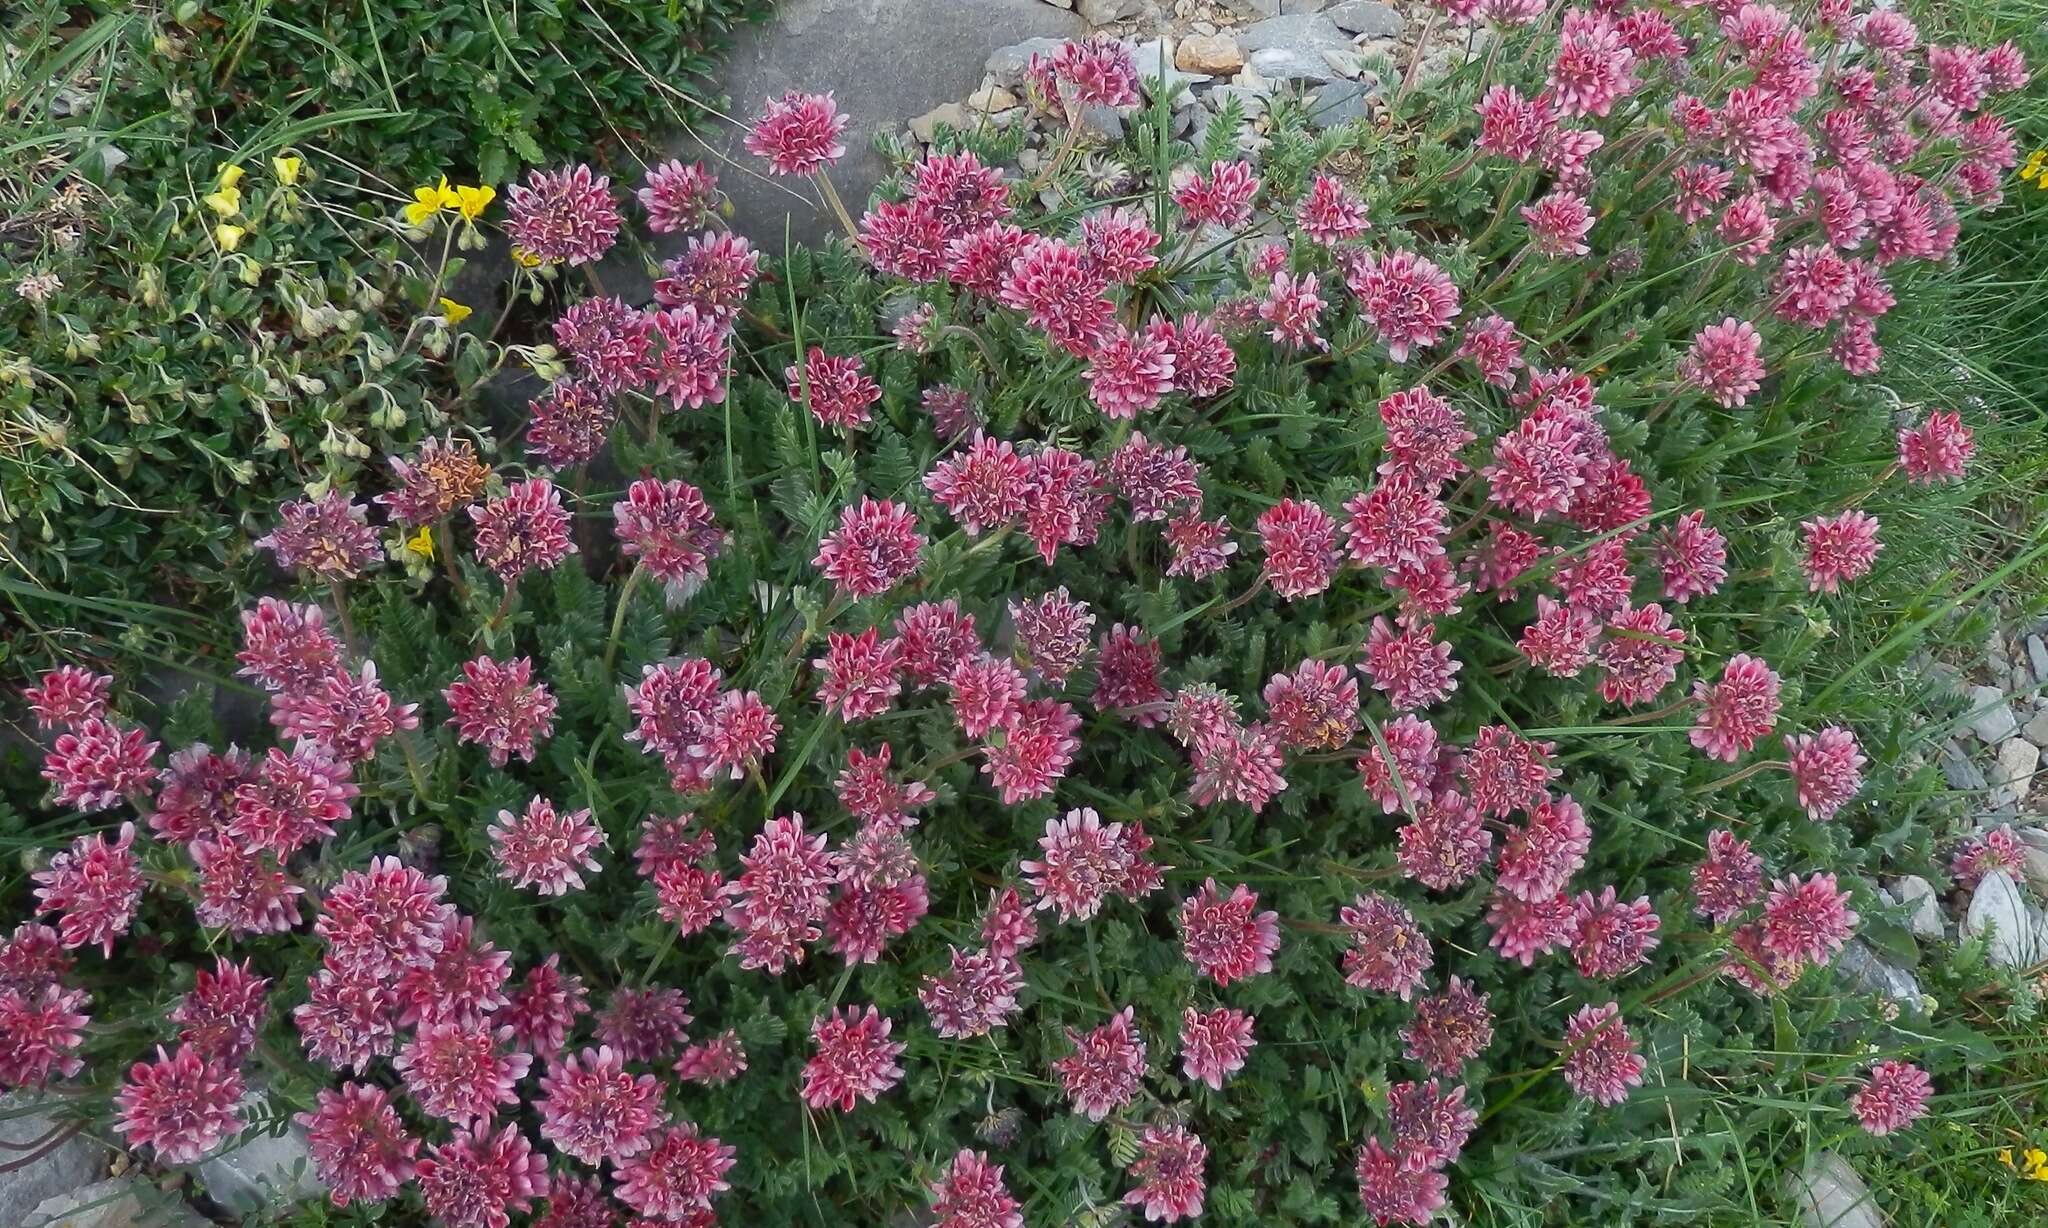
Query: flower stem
(611, 644)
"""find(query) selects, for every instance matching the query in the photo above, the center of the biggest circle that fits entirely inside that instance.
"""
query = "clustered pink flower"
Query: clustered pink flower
(1329, 214)
(1600, 1061)
(1392, 1192)
(798, 134)
(1728, 880)
(1085, 861)
(835, 388)
(359, 1146)
(328, 538)
(678, 197)
(1725, 361)
(778, 902)
(1808, 919)
(1168, 1171)
(95, 886)
(1893, 1097)
(875, 546)
(1449, 1029)
(976, 994)
(711, 277)
(1129, 373)
(1096, 71)
(67, 696)
(1936, 450)
(181, 1105)
(569, 422)
(1214, 1044)
(1105, 1070)
(1388, 952)
(545, 848)
(1827, 770)
(1693, 558)
(1738, 710)
(222, 1012)
(566, 215)
(479, 1180)
(1407, 298)
(1222, 197)
(972, 1194)
(97, 763)
(498, 706)
(854, 1059)
(1225, 937)
(1839, 548)
(525, 529)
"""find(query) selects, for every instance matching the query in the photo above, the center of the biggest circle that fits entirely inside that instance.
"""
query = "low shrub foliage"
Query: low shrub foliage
(1157, 685)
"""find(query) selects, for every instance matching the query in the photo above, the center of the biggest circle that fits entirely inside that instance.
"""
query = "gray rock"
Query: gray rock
(1303, 6)
(122, 1202)
(1341, 102)
(1961, 771)
(73, 1163)
(1990, 717)
(1998, 911)
(2037, 656)
(1827, 1193)
(2036, 730)
(1873, 974)
(1289, 64)
(1151, 55)
(1253, 8)
(2018, 760)
(1007, 64)
(1253, 102)
(1942, 678)
(926, 127)
(1367, 17)
(2034, 868)
(1103, 123)
(837, 45)
(1102, 12)
(1917, 895)
(1306, 33)
(256, 1171)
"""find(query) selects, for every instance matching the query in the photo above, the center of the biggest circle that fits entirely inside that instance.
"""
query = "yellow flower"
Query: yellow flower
(226, 201)
(422, 542)
(426, 202)
(471, 202)
(449, 198)
(2005, 1156)
(454, 312)
(2034, 1164)
(526, 259)
(230, 177)
(229, 237)
(287, 170)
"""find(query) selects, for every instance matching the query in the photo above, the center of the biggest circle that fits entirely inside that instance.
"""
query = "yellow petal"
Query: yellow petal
(286, 169)
(229, 237)
(447, 195)
(230, 177)
(526, 258)
(472, 201)
(227, 201)
(454, 312)
(422, 542)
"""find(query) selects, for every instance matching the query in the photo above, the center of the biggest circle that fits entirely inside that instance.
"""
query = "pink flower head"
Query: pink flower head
(1411, 667)
(1747, 227)
(1594, 66)
(1104, 1071)
(1060, 290)
(591, 1108)
(798, 133)
(1539, 467)
(1098, 71)
(1200, 547)
(1600, 1061)
(182, 1105)
(1936, 450)
(1067, 503)
(1807, 918)
(540, 1010)
(442, 476)
(1330, 214)
(456, 1072)
(695, 350)
(1214, 1044)
(1313, 708)
(1693, 557)
(873, 795)
(344, 715)
(1225, 937)
(328, 538)
(1168, 1171)
(718, 1060)
(781, 897)
(1894, 1097)
(479, 1180)
(500, 707)
(1203, 362)
(875, 547)
(291, 801)
(1512, 126)
(669, 527)
(1129, 373)
(1729, 879)
(985, 693)
(1052, 634)
(1237, 764)
(566, 215)
(97, 764)
(1010, 925)
(678, 197)
(985, 487)
(95, 886)
(854, 1059)
(1558, 225)
(1223, 197)
(544, 848)
(1127, 676)
(1446, 843)
(1996, 851)
(221, 1014)
(1493, 348)
(1738, 711)
(1153, 478)
(1525, 929)
(932, 638)
(359, 1146)
(1827, 770)
(1698, 190)
(1424, 434)
(1560, 641)
(1725, 361)
(1037, 748)
(1405, 767)
(348, 1018)
(1505, 772)
(1398, 522)
(1085, 862)
(1388, 952)
(860, 674)
(712, 278)
(1293, 307)
(67, 696)
(524, 529)
(976, 994)
(1392, 1192)
(1639, 657)
(1611, 936)
(1121, 243)
(1406, 297)
(286, 647)
(569, 422)
(611, 347)
(835, 388)
(971, 1194)
(385, 919)
(1449, 1029)
(644, 1025)
(1430, 1126)
(42, 1029)
(1300, 541)
(1540, 857)
(1839, 548)
(878, 902)
(676, 1179)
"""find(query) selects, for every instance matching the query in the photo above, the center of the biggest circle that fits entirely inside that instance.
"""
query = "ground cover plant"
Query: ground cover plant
(1282, 693)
